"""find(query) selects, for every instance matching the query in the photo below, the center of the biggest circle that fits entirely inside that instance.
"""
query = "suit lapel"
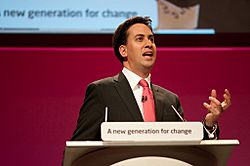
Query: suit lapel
(158, 103)
(126, 94)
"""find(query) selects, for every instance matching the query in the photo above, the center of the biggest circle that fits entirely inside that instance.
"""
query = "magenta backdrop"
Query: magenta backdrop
(42, 90)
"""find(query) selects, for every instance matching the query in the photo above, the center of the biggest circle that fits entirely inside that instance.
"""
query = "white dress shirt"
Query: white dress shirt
(134, 80)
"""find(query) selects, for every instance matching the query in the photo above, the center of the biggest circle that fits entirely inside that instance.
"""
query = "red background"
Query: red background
(42, 89)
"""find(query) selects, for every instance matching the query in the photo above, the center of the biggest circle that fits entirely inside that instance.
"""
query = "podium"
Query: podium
(93, 153)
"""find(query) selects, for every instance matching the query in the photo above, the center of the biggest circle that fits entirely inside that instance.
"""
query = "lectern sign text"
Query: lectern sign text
(152, 131)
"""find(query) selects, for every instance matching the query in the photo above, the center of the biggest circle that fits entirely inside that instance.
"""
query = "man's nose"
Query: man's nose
(149, 43)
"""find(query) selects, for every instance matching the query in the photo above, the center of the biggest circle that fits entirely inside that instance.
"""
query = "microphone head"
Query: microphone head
(144, 99)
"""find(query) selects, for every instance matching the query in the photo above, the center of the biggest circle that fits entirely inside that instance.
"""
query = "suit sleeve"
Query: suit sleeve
(91, 115)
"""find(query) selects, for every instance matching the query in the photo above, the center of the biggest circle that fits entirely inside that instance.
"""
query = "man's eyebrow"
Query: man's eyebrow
(151, 35)
(139, 35)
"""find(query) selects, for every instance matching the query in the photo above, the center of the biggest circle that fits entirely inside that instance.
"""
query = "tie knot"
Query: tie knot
(143, 83)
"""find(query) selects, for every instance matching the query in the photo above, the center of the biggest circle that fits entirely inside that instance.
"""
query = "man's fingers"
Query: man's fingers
(207, 106)
(213, 93)
(227, 100)
(214, 100)
(227, 92)
(215, 105)
(227, 96)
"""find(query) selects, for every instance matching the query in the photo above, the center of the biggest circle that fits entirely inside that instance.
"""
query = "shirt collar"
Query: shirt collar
(134, 79)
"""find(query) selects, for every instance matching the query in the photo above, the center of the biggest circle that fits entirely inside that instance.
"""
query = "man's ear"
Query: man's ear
(123, 51)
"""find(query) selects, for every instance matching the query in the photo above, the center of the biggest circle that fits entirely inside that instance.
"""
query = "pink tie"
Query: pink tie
(148, 102)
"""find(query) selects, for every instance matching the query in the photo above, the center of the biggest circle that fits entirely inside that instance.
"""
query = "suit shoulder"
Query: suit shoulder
(165, 91)
(103, 81)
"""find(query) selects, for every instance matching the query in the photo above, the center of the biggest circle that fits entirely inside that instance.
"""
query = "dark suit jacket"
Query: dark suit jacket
(116, 94)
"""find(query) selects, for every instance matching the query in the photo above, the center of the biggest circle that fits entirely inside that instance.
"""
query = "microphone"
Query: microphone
(178, 114)
(106, 114)
(144, 99)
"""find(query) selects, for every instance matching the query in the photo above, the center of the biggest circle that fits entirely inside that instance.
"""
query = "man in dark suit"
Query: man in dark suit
(134, 46)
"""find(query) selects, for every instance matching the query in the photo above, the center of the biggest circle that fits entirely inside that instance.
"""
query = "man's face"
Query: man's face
(140, 50)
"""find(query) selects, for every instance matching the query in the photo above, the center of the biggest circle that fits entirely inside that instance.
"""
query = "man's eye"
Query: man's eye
(139, 39)
(152, 40)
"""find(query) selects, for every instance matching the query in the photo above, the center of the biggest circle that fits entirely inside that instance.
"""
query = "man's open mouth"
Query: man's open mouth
(148, 54)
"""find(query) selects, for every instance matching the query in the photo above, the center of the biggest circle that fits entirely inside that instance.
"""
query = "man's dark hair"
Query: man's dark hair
(120, 36)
